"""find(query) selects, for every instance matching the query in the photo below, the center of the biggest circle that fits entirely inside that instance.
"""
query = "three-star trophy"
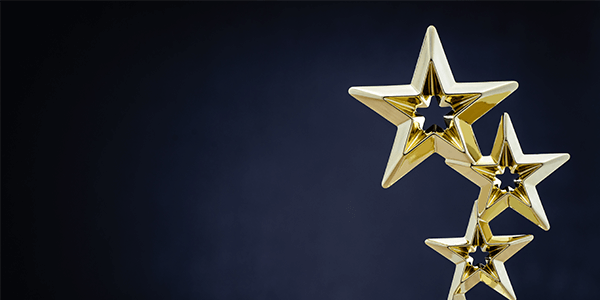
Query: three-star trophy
(468, 101)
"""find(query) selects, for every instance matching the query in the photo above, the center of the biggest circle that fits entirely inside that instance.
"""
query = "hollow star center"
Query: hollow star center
(507, 180)
(434, 114)
(478, 258)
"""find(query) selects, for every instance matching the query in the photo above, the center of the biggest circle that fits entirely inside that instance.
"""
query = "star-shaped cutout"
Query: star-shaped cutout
(399, 103)
(493, 273)
(507, 155)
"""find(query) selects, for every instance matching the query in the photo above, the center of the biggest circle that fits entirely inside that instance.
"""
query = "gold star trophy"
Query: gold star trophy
(457, 144)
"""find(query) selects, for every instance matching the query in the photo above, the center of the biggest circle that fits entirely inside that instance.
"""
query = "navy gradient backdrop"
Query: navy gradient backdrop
(211, 150)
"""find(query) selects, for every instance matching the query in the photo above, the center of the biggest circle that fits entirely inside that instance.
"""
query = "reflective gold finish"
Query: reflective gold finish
(507, 155)
(432, 79)
(493, 272)
(399, 103)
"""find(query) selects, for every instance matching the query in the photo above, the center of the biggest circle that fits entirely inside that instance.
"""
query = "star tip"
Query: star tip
(506, 119)
(431, 31)
(562, 158)
(430, 243)
(351, 90)
(512, 85)
(526, 239)
(387, 181)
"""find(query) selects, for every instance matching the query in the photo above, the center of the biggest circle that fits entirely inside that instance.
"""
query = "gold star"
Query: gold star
(493, 272)
(432, 77)
(530, 168)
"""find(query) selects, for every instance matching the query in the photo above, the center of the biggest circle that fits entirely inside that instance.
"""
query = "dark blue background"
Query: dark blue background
(211, 150)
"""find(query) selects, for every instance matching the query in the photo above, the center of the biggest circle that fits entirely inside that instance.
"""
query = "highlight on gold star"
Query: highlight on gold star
(399, 103)
(531, 169)
(467, 274)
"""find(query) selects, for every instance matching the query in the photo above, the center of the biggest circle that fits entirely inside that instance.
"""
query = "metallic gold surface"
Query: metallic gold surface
(506, 155)
(493, 272)
(399, 103)
(432, 79)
